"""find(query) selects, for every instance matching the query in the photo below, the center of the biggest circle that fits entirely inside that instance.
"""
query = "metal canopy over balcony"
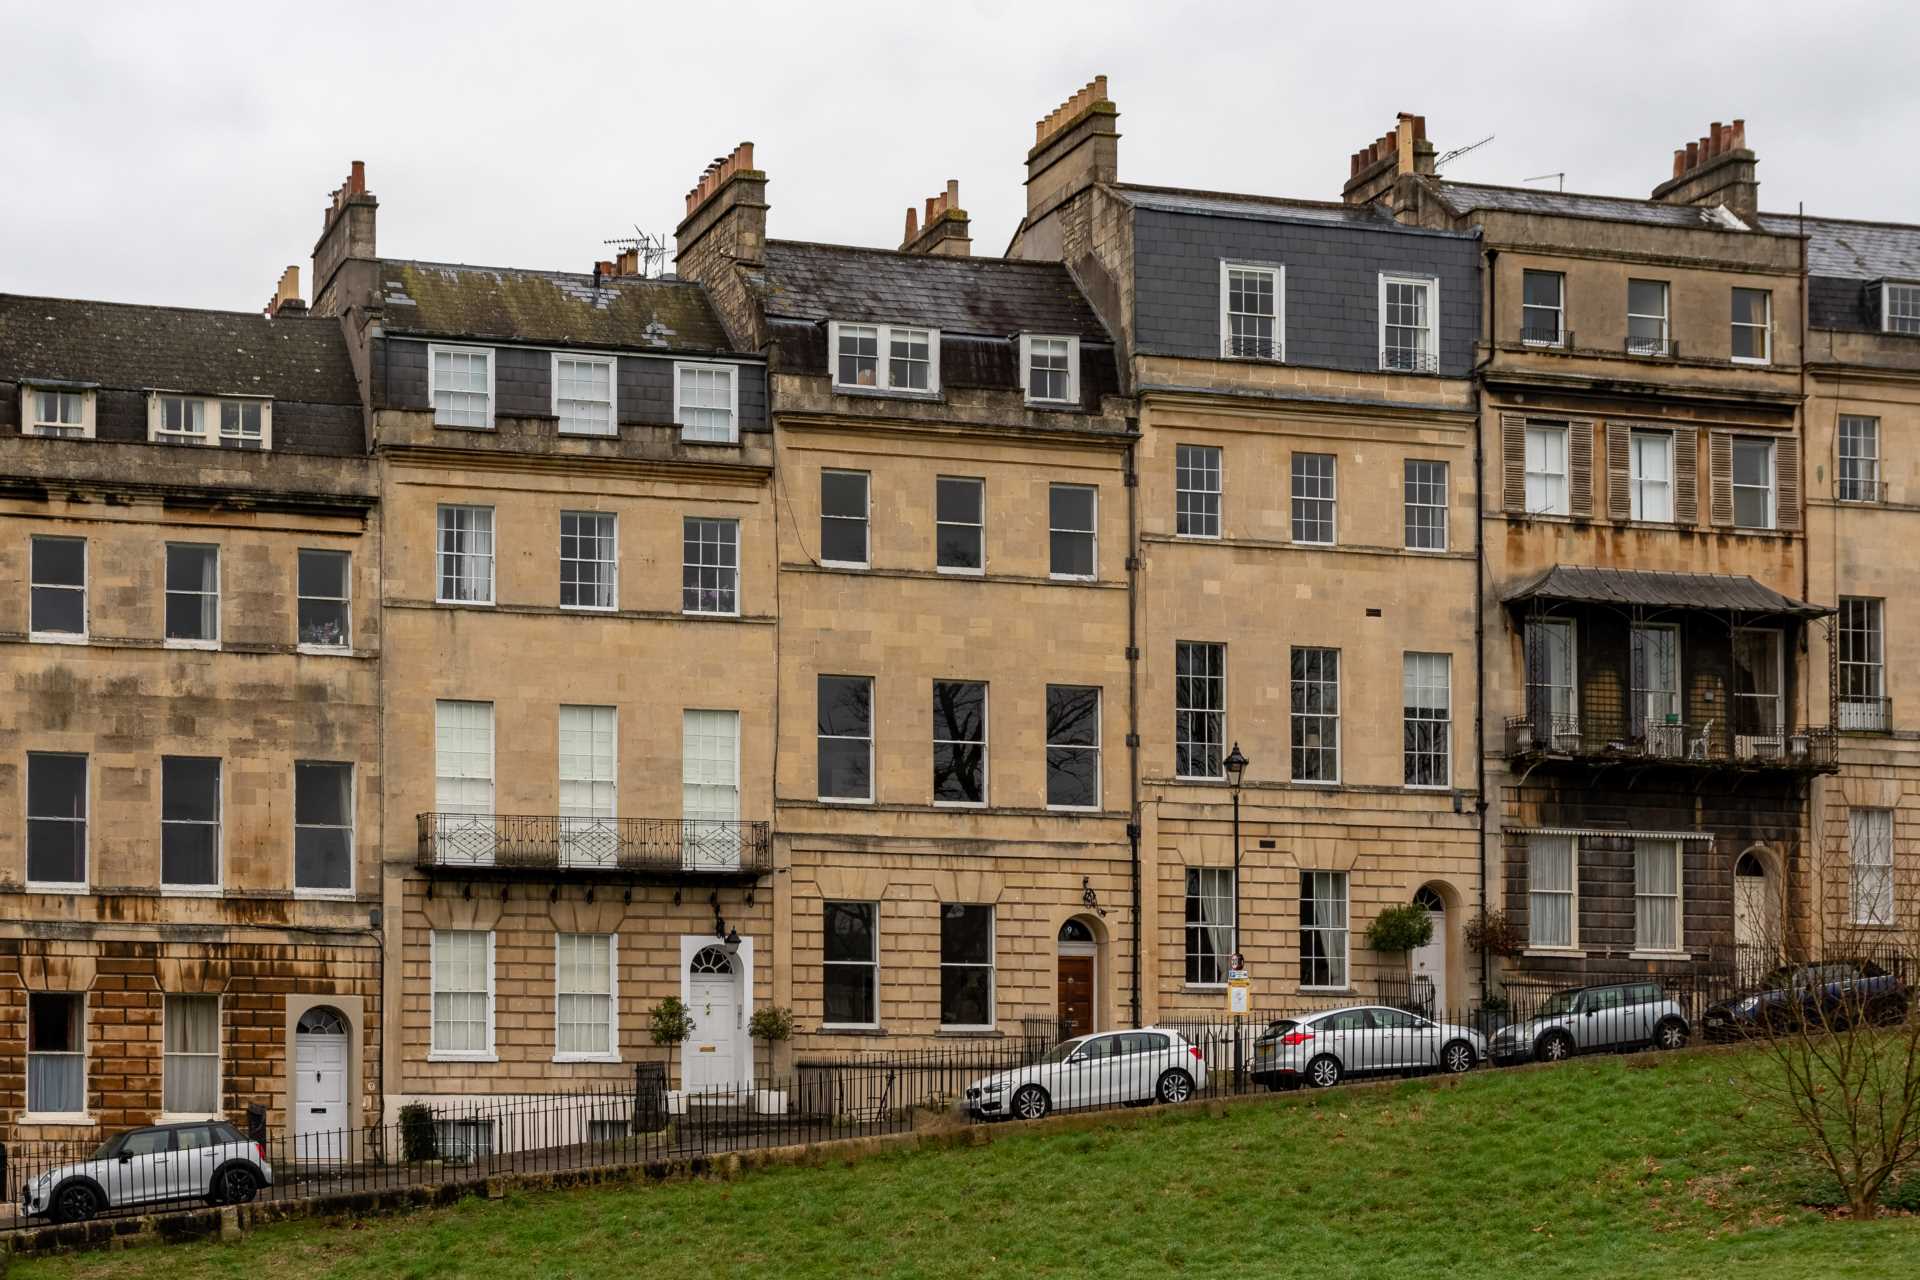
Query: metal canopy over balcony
(1656, 589)
(548, 847)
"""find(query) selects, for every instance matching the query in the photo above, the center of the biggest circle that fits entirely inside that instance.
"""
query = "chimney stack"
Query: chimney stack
(1716, 170)
(628, 263)
(1375, 171)
(945, 231)
(286, 296)
(726, 217)
(1076, 146)
(346, 235)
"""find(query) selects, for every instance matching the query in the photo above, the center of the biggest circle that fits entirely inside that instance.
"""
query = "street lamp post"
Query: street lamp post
(1236, 767)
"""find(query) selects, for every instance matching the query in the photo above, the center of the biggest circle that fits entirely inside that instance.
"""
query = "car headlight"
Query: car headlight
(1748, 1005)
(993, 1088)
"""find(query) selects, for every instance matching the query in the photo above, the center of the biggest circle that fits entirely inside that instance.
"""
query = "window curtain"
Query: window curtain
(1656, 889)
(586, 997)
(1550, 900)
(191, 1083)
(208, 584)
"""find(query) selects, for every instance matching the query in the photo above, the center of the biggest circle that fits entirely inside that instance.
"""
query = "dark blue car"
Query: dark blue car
(1821, 996)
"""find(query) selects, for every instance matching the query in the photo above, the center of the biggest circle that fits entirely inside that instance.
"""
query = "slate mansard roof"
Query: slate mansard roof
(558, 308)
(124, 351)
(1853, 250)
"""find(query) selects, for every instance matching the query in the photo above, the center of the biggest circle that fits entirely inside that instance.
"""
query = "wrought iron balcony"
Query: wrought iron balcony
(1545, 335)
(1863, 715)
(1710, 743)
(1400, 359)
(1656, 347)
(546, 846)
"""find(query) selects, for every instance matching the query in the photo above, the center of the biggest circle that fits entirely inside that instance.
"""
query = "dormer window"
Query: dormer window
(881, 357)
(707, 402)
(460, 385)
(52, 411)
(1900, 308)
(229, 422)
(1050, 369)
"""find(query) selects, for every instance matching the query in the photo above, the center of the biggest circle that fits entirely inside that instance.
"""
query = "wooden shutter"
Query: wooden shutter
(1686, 476)
(1720, 477)
(1513, 460)
(1786, 480)
(1619, 471)
(1580, 468)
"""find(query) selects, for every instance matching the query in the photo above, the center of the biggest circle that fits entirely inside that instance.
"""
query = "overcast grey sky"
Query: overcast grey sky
(182, 154)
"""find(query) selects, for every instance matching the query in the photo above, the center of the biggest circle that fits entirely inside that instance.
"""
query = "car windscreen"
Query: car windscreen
(1559, 1003)
(106, 1150)
(1064, 1050)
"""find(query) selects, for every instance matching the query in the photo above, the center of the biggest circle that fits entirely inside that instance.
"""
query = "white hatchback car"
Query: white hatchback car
(1103, 1070)
(1322, 1049)
(206, 1160)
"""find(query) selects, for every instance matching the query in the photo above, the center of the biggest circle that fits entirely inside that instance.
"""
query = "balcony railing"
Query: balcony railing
(1863, 715)
(1402, 359)
(546, 844)
(1712, 742)
(1545, 335)
(1659, 347)
(1859, 489)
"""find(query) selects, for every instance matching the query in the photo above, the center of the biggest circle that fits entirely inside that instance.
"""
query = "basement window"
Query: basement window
(880, 357)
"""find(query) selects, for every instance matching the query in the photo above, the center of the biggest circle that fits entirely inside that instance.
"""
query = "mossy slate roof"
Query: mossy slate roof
(558, 307)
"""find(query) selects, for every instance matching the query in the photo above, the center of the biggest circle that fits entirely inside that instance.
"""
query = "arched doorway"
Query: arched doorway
(1078, 978)
(709, 1059)
(1428, 964)
(1756, 917)
(321, 1043)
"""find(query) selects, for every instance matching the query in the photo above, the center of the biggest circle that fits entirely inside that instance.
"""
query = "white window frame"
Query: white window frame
(1559, 309)
(434, 1053)
(1878, 912)
(1026, 368)
(32, 424)
(1202, 884)
(1543, 430)
(493, 752)
(189, 888)
(207, 410)
(979, 484)
(612, 565)
(218, 429)
(1664, 316)
(1857, 429)
(872, 728)
(85, 821)
(440, 553)
(1277, 272)
(1410, 680)
(865, 518)
(587, 721)
(738, 585)
(85, 590)
(1887, 288)
(992, 967)
(29, 1116)
(612, 365)
(985, 743)
(1642, 946)
(1217, 472)
(219, 610)
(352, 829)
(1773, 480)
(1099, 764)
(1638, 483)
(434, 350)
(1571, 893)
(1092, 534)
(1442, 507)
(1178, 709)
(1294, 717)
(218, 1055)
(612, 1052)
(344, 601)
(701, 435)
(871, 966)
(1331, 498)
(1532, 689)
(1766, 328)
(883, 358)
(1857, 710)
(1431, 352)
(1344, 930)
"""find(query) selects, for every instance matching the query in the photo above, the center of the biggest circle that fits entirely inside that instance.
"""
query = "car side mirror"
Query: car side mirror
(125, 1157)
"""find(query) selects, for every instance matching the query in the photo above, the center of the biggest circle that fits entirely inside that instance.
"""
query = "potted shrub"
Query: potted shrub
(1491, 933)
(1404, 928)
(773, 1024)
(669, 1023)
(419, 1139)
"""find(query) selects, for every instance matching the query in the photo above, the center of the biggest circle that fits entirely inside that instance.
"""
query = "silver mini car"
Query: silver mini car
(206, 1160)
(1616, 1015)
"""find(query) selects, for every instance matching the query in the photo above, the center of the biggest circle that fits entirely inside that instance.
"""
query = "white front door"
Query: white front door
(1429, 963)
(320, 1087)
(1756, 919)
(709, 1059)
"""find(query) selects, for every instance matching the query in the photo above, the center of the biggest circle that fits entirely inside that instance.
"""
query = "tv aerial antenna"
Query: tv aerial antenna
(651, 248)
(1457, 152)
(1560, 180)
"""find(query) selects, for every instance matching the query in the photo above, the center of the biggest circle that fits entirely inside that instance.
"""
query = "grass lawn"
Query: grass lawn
(1603, 1167)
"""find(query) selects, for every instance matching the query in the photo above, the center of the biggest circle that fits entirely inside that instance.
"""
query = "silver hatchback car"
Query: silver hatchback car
(1321, 1049)
(1613, 1016)
(206, 1160)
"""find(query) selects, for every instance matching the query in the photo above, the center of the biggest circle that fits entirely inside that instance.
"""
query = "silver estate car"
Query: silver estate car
(1321, 1049)
(1152, 1064)
(206, 1160)
(1616, 1015)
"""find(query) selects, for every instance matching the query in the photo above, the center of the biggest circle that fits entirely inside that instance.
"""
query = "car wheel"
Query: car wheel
(1324, 1071)
(1456, 1057)
(1174, 1086)
(75, 1202)
(1557, 1047)
(235, 1184)
(1670, 1034)
(1032, 1103)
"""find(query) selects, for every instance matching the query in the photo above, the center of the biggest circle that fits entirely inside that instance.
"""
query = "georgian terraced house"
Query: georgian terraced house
(403, 696)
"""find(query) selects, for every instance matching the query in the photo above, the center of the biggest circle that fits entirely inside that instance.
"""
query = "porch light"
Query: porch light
(732, 942)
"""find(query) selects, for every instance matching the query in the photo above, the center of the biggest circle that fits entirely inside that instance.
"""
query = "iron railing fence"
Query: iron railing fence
(550, 843)
(1854, 714)
(1615, 736)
